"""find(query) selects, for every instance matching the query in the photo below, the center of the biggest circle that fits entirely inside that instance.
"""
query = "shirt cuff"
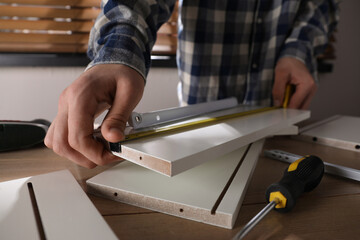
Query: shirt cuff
(303, 53)
(120, 49)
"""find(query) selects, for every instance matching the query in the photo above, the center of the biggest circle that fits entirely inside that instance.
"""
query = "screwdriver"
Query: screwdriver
(301, 176)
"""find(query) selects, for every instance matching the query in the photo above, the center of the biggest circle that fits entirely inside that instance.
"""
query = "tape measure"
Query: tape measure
(193, 123)
(196, 122)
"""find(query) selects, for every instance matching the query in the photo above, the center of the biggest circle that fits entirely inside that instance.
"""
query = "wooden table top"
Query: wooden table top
(331, 211)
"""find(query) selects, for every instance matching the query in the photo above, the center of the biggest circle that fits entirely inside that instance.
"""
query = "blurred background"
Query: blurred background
(32, 77)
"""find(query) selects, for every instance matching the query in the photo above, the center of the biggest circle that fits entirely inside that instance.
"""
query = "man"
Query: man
(248, 49)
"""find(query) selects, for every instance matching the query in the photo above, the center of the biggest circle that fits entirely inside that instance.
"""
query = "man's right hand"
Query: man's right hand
(108, 86)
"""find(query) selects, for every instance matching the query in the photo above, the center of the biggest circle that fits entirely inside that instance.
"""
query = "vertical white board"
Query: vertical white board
(173, 153)
(65, 210)
(205, 193)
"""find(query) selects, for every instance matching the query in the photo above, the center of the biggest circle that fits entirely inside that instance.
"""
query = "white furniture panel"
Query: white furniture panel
(195, 194)
(173, 153)
(337, 131)
(65, 210)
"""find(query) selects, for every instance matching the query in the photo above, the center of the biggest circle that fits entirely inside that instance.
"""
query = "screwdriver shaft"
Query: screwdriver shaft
(301, 176)
(252, 223)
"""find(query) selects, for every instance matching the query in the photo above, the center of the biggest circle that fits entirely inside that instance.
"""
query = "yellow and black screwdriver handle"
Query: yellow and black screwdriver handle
(301, 176)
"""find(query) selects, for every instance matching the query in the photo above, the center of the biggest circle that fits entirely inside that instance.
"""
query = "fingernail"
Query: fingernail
(115, 130)
(116, 134)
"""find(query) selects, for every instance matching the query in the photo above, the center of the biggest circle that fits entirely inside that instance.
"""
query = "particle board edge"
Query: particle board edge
(163, 206)
(176, 207)
(145, 160)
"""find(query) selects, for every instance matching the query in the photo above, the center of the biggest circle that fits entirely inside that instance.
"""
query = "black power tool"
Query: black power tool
(16, 135)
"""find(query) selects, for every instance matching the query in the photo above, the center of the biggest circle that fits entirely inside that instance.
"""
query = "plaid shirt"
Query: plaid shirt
(225, 48)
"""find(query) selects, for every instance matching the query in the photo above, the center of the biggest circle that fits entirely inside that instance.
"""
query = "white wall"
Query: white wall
(27, 93)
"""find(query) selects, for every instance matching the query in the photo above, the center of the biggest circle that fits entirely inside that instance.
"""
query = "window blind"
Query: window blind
(61, 26)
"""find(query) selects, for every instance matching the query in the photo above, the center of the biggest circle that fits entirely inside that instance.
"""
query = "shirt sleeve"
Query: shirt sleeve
(309, 37)
(125, 32)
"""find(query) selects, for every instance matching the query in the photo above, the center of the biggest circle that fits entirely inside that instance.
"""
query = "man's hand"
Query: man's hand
(113, 86)
(289, 70)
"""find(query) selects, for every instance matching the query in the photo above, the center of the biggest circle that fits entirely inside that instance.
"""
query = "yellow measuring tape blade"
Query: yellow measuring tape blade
(207, 121)
(195, 123)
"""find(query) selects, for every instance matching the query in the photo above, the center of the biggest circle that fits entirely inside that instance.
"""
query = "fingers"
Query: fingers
(80, 137)
(128, 94)
(303, 95)
(60, 139)
(282, 79)
(71, 133)
(114, 125)
(115, 121)
(60, 145)
(57, 139)
(292, 71)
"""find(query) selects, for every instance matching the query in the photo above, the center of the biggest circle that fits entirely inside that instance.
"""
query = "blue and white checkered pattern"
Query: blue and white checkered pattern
(225, 48)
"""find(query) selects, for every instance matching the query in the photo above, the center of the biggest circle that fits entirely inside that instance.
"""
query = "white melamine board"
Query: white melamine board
(291, 130)
(191, 194)
(174, 153)
(235, 194)
(17, 220)
(66, 212)
(337, 131)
